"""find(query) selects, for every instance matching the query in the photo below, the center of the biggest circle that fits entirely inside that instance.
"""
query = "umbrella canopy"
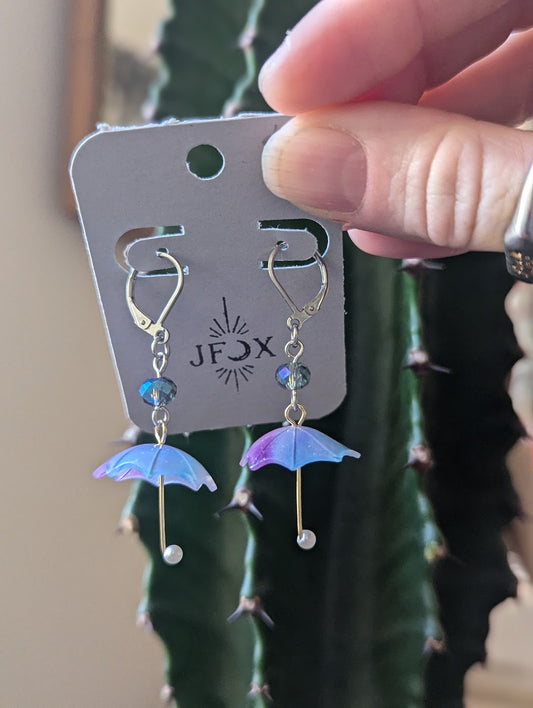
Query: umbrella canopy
(149, 462)
(294, 446)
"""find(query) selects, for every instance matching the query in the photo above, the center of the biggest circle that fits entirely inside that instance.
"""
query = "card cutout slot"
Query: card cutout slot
(133, 236)
(284, 227)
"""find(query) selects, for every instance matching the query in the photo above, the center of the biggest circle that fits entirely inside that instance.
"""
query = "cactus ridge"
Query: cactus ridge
(200, 56)
(246, 83)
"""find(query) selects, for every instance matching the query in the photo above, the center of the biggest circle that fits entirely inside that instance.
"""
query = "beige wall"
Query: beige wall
(133, 24)
(69, 588)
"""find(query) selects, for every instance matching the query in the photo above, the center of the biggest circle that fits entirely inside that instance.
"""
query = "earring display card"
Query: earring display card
(195, 190)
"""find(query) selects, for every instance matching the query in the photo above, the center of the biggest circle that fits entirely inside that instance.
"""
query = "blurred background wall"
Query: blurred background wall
(69, 587)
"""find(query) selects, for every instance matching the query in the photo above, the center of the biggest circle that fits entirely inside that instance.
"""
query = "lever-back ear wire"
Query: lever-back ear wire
(296, 445)
(299, 314)
(143, 321)
(158, 464)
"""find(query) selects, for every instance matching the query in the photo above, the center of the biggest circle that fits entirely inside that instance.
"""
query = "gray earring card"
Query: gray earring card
(137, 194)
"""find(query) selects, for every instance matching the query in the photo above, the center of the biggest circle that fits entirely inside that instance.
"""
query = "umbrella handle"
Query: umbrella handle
(171, 554)
(306, 539)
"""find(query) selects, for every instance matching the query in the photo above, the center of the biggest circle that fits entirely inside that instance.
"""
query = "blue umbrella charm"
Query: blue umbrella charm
(150, 462)
(158, 464)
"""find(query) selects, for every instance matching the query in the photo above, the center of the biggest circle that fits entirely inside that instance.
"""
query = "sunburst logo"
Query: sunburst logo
(231, 349)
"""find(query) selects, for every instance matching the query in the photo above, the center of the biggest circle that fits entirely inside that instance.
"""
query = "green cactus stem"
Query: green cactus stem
(344, 624)
(351, 617)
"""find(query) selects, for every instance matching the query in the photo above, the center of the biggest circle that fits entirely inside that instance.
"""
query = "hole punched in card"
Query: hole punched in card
(194, 190)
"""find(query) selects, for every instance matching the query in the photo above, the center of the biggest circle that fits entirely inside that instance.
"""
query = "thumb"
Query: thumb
(407, 172)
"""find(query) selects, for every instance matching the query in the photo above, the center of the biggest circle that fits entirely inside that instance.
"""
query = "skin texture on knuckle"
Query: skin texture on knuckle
(429, 170)
(452, 190)
(469, 177)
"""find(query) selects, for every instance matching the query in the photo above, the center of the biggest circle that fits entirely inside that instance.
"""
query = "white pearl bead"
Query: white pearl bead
(173, 554)
(306, 540)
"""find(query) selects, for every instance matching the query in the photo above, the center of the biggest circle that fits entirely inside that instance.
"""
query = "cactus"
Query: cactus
(346, 624)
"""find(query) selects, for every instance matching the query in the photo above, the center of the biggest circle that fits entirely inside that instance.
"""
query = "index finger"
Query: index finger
(344, 50)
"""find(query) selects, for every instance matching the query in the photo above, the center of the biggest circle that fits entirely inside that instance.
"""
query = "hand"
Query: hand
(404, 113)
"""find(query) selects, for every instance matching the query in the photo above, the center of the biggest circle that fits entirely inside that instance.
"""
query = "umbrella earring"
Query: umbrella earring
(295, 445)
(158, 464)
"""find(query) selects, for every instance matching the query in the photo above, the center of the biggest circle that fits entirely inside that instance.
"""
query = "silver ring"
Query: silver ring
(518, 241)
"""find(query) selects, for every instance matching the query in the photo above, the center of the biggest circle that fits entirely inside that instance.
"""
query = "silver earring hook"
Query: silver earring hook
(154, 328)
(299, 314)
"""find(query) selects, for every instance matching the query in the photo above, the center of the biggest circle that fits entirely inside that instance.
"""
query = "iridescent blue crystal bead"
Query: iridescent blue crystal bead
(158, 392)
(293, 376)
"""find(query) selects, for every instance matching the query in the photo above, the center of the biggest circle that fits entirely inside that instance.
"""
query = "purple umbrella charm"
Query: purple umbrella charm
(293, 446)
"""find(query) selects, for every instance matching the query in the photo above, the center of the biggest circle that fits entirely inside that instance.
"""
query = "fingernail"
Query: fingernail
(316, 168)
